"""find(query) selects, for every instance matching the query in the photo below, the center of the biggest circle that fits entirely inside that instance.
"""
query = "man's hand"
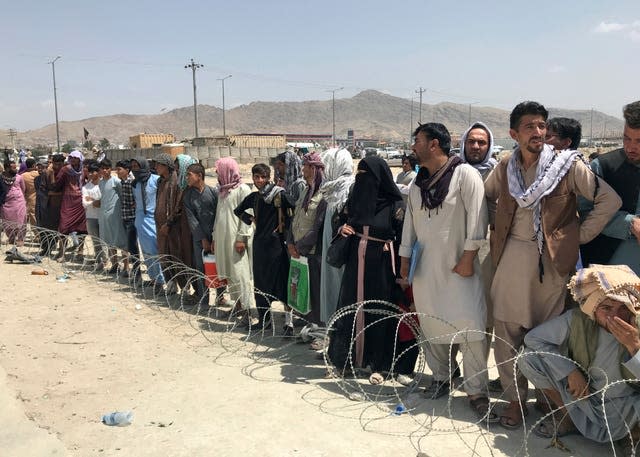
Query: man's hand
(293, 252)
(206, 245)
(577, 384)
(404, 267)
(626, 334)
(635, 227)
(464, 267)
(240, 247)
(164, 230)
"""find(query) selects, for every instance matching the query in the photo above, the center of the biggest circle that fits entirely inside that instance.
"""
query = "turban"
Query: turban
(166, 160)
(591, 286)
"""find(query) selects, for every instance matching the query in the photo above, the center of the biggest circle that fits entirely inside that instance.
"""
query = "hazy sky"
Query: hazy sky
(129, 57)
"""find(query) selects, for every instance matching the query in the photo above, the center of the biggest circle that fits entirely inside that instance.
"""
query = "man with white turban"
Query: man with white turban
(586, 361)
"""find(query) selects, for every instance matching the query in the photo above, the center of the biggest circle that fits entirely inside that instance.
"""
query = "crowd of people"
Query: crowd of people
(393, 256)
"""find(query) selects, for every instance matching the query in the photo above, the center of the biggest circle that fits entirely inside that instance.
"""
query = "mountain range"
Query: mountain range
(371, 114)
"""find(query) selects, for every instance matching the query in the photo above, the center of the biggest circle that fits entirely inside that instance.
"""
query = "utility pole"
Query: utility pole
(194, 66)
(224, 125)
(55, 100)
(473, 103)
(420, 91)
(12, 134)
(591, 130)
(411, 121)
(333, 110)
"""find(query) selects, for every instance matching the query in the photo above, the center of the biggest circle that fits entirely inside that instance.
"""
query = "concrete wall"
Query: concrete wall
(206, 154)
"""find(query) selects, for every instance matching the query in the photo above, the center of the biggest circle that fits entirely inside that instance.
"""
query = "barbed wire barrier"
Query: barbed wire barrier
(389, 408)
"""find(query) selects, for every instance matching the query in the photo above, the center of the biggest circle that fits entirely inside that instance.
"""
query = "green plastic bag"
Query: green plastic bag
(298, 294)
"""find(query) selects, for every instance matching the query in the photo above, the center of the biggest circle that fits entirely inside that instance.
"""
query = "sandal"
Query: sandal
(483, 410)
(511, 417)
(376, 379)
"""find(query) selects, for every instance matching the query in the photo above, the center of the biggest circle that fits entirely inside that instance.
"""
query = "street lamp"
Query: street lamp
(474, 103)
(194, 66)
(224, 126)
(333, 109)
(55, 100)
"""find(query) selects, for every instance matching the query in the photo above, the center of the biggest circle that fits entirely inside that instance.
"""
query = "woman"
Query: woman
(14, 207)
(369, 271)
(335, 190)
(231, 236)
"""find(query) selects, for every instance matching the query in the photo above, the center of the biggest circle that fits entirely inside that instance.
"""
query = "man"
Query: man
(619, 242)
(200, 204)
(306, 230)
(563, 133)
(167, 216)
(446, 213)
(476, 146)
(288, 168)
(599, 340)
(270, 259)
(51, 207)
(91, 197)
(535, 236)
(70, 180)
(128, 210)
(29, 177)
(110, 220)
(145, 186)
(232, 238)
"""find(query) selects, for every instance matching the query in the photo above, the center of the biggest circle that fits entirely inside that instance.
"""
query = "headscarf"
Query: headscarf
(78, 174)
(434, 188)
(591, 286)
(228, 173)
(488, 163)
(142, 176)
(314, 160)
(184, 161)
(338, 176)
(292, 170)
(373, 190)
(166, 160)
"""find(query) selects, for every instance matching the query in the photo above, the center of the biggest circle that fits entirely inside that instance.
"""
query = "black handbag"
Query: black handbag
(338, 251)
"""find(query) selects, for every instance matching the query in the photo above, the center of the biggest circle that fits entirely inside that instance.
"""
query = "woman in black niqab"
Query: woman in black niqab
(368, 273)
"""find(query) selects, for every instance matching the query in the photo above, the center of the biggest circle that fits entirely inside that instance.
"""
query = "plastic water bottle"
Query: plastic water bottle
(118, 418)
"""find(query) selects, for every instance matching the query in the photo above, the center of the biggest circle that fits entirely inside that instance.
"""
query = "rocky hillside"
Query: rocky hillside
(370, 114)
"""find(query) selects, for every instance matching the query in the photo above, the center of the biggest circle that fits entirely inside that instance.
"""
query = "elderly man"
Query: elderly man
(619, 242)
(580, 359)
(535, 236)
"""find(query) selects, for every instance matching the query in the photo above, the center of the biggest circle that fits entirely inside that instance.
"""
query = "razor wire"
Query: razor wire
(424, 421)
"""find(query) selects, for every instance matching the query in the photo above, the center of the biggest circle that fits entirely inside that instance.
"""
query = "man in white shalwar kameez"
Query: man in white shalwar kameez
(231, 237)
(447, 215)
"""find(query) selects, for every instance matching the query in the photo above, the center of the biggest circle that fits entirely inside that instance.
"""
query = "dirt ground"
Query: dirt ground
(73, 351)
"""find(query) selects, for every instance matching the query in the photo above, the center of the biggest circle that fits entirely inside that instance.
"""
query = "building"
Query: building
(150, 140)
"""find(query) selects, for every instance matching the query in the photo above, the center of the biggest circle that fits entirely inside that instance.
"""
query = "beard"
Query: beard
(535, 149)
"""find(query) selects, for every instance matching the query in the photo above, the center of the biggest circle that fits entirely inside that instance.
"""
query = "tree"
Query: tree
(104, 143)
(87, 144)
(67, 148)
